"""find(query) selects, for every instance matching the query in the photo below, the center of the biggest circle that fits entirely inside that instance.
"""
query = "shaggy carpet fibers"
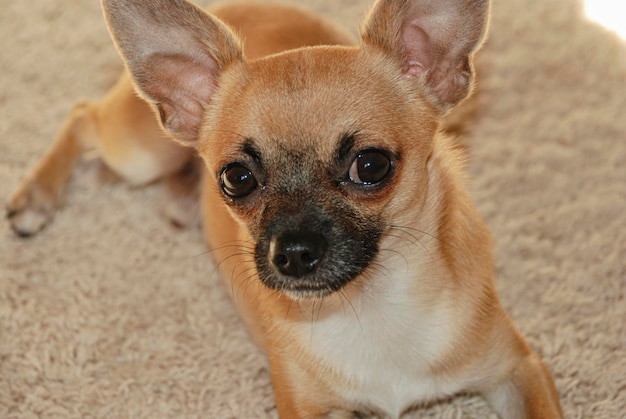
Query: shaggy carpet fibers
(110, 312)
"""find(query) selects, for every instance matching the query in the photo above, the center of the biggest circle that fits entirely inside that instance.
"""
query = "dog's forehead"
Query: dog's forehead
(306, 101)
(305, 95)
(314, 96)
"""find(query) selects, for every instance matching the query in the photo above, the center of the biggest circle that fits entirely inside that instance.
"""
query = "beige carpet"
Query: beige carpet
(112, 313)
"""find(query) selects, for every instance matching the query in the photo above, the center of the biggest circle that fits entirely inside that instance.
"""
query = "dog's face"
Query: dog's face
(319, 163)
(318, 152)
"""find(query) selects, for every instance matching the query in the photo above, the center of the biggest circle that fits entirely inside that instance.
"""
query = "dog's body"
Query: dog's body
(333, 204)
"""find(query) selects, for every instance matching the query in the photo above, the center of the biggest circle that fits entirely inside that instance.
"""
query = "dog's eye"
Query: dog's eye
(238, 181)
(370, 167)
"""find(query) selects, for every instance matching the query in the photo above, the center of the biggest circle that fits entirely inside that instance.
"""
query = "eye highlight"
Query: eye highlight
(370, 167)
(238, 181)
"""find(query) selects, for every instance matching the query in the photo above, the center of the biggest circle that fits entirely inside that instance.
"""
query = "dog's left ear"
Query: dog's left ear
(433, 41)
(175, 53)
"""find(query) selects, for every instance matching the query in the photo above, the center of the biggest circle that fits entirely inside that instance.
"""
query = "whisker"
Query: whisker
(344, 297)
(406, 262)
(314, 317)
(241, 282)
(433, 236)
(411, 239)
(417, 240)
(233, 243)
(232, 255)
(239, 251)
(288, 309)
(300, 309)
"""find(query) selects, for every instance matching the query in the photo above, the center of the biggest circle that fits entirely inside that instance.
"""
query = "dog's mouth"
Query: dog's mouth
(307, 288)
(302, 290)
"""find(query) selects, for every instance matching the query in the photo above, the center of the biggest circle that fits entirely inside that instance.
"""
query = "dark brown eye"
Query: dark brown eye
(370, 167)
(238, 181)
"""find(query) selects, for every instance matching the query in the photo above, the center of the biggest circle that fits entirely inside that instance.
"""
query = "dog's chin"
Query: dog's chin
(299, 289)
(307, 294)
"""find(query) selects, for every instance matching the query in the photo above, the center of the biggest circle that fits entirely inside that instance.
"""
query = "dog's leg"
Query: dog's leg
(181, 204)
(124, 131)
(300, 396)
(34, 202)
(527, 393)
(285, 395)
(288, 407)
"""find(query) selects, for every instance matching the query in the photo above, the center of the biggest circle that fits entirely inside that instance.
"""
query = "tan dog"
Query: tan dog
(334, 205)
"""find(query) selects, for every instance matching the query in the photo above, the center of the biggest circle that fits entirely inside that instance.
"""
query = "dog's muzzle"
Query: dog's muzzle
(308, 251)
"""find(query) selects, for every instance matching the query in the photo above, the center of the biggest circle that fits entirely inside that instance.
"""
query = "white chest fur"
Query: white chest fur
(384, 343)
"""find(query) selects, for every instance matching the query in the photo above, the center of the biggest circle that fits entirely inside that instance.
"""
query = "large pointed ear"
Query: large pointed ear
(433, 40)
(175, 53)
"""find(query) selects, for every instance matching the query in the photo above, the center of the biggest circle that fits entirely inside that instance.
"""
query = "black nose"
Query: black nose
(297, 254)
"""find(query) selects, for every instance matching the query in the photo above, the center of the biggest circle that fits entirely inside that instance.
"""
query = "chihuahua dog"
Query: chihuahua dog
(330, 197)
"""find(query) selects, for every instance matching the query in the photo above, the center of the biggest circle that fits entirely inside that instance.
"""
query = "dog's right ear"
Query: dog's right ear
(175, 53)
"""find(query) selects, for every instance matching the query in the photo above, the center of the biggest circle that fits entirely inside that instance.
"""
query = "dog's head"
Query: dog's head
(317, 151)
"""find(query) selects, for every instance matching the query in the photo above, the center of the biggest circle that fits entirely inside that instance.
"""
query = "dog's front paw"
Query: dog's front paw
(30, 208)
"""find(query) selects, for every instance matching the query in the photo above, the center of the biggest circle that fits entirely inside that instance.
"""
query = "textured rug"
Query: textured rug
(112, 313)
